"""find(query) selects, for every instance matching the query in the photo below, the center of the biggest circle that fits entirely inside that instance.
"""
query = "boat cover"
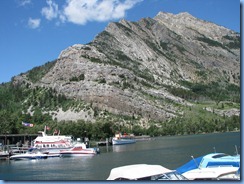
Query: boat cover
(136, 171)
(192, 164)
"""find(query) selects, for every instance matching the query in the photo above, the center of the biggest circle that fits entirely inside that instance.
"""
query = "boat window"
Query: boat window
(121, 179)
(145, 178)
(171, 176)
(163, 177)
(39, 134)
(220, 155)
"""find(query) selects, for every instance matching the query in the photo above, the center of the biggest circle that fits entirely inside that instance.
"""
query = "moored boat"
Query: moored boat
(4, 155)
(120, 139)
(211, 160)
(29, 156)
(144, 172)
(52, 144)
(79, 150)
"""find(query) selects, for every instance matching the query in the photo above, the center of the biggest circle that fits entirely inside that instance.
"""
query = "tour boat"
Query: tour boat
(79, 149)
(29, 156)
(52, 144)
(120, 139)
(144, 172)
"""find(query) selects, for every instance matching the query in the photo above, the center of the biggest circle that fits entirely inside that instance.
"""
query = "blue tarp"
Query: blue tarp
(193, 164)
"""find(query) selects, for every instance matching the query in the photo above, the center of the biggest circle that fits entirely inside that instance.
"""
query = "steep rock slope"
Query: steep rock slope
(128, 68)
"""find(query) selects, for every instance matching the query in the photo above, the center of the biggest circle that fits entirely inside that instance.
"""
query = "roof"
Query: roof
(133, 172)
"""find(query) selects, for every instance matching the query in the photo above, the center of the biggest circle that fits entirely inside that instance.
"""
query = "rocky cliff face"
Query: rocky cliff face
(128, 67)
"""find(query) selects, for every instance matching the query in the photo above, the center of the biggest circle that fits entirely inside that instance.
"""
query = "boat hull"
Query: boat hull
(28, 157)
(123, 141)
(77, 153)
(4, 156)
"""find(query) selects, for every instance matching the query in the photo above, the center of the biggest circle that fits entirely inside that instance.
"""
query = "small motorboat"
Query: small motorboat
(210, 160)
(144, 172)
(120, 139)
(79, 150)
(4, 155)
(30, 155)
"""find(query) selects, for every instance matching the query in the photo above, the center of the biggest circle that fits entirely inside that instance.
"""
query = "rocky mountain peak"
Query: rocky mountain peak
(135, 68)
(184, 22)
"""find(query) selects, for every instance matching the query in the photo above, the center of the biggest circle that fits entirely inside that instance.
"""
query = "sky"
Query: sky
(33, 32)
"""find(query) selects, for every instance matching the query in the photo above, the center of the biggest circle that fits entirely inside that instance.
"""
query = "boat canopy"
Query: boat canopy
(137, 171)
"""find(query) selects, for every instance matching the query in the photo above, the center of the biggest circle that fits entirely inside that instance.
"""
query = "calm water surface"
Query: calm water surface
(170, 152)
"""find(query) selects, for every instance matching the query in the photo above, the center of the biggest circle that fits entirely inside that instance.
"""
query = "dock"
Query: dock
(103, 142)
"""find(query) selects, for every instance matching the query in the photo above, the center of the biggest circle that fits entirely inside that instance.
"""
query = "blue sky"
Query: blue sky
(33, 32)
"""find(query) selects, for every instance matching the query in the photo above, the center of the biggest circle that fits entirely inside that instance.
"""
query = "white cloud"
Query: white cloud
(83, 11)
(34, 23)
(24, 2)
(51, 11)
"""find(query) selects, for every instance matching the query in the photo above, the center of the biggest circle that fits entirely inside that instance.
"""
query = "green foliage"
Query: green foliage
(180, 48)
(234, 45)
(202, 74)
(196, 123)
(95, 60)
(102, 81)
(38, 72)
(164, 45)
(234, 41)
(127, 85)
(127, 31)
(213, 91)
(79, 78)
(210, 42)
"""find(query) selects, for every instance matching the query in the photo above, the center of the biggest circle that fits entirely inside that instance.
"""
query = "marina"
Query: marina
(170, 152)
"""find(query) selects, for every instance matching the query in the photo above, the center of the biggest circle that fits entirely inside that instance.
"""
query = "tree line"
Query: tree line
(16, 99)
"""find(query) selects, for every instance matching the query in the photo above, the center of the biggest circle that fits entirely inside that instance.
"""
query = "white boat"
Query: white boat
(79, 150)
(29, 156)
(213, 166)
(120, 139)
(4, 155)
(52, 144)
(210, 160)
(144, 172)
(213, 173)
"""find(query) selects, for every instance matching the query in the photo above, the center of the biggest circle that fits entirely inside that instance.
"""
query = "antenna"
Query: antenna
(214, 149)
(195, 162)
(236, 150)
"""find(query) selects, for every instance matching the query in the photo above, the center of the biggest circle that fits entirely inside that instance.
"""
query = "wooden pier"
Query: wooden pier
(7, 139)
(103, 142)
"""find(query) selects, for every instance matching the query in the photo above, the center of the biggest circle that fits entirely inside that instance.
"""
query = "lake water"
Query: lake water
(170, 152)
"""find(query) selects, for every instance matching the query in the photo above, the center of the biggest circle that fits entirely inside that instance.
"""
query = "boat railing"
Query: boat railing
(222, 166)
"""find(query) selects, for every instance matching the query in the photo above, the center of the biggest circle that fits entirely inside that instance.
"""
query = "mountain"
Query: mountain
(153, 70)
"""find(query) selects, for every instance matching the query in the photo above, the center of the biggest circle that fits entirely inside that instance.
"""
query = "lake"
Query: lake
(169, 151)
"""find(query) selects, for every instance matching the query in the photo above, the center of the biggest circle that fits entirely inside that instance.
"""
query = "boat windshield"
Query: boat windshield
(171, 176)
(220, 155)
